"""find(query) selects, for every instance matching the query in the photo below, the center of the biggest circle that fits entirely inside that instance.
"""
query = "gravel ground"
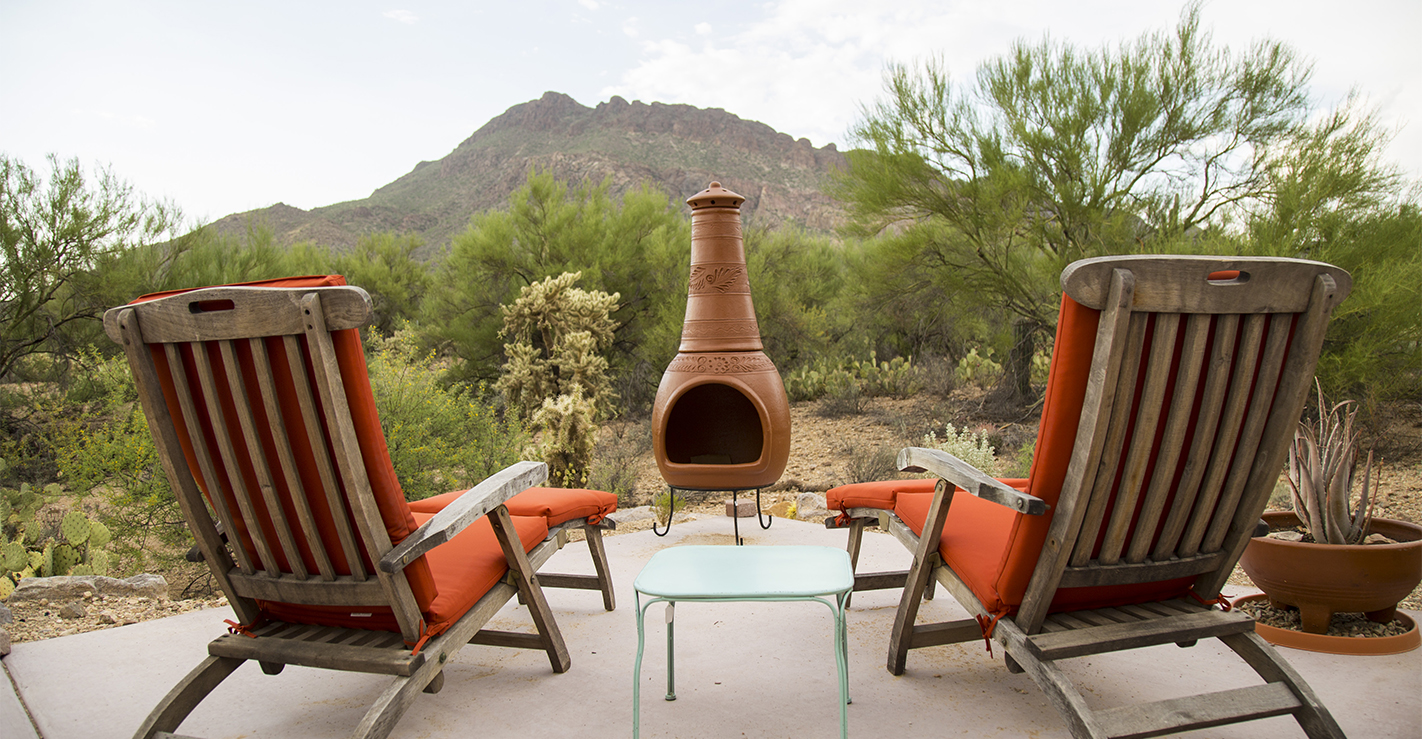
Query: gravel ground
(824, 452)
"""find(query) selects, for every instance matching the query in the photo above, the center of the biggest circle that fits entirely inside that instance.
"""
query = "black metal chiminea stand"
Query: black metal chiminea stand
(764, 519)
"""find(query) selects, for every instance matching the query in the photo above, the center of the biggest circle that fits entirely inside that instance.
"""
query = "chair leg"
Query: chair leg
(856, 538)
(186, 695)
(392, 703)
(924, 560)
(604, 573)
(529, 588)
(1312, 716)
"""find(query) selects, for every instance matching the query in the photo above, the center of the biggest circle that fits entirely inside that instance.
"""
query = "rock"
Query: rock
(71, 587)
(628, 515)
(811, 507)
(4, 642)
(741, 509)
(72, 611)
(6, 617)
(107, 617)
(1286, 535)
(1378, 539)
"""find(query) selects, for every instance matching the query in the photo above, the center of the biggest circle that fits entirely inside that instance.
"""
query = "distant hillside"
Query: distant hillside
(678, 148)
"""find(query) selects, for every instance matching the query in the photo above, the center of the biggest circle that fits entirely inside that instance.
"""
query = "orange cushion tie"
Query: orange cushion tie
(1218, 600)
(425, 634)
(988, 625)
(244, 629)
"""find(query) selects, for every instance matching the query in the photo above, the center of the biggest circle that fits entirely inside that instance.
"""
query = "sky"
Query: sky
(226, 107)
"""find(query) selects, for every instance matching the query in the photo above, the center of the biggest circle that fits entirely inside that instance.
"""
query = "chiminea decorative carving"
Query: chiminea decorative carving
(721, 420)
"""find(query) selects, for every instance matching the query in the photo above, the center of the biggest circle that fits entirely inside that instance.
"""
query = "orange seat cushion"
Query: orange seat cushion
(882, 494)
(556, 505)
(464, 569)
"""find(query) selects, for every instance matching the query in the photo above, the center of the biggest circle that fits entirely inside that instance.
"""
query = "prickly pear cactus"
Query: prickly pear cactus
(6, 588)
(14, 557)
(75, 528)
(46, 567)
(82, 570)
(99, 562)
(65, 557)
(99, 535)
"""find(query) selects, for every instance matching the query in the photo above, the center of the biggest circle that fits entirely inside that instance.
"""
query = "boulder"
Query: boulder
(69, 587)
(811, 507)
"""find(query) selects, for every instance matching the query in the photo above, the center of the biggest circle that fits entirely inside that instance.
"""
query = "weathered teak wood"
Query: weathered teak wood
(1197, 380)
(223, 353)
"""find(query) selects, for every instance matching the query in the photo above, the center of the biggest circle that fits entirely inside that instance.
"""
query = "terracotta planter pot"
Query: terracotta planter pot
(1354, 645)
(1323, 579)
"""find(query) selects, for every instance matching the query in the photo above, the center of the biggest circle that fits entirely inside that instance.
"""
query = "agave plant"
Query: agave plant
(1323, 462)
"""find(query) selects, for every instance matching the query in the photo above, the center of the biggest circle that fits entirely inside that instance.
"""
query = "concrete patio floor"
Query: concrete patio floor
(743, 670)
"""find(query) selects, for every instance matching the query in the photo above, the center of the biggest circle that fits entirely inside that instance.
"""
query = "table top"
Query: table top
(750, 572)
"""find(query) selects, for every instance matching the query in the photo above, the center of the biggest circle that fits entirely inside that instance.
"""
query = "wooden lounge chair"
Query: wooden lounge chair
(259, 402)
(1176, 384)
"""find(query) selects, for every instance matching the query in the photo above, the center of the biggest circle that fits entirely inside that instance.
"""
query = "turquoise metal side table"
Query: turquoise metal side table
(754, 573)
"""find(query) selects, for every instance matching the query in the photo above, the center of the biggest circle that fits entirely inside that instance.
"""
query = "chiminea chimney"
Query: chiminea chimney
(721, 420)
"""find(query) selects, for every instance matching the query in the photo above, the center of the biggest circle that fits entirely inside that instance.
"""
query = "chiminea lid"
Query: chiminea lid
(715, 196)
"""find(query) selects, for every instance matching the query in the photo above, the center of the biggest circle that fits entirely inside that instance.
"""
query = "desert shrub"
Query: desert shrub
(106, 456)
(614, 467)
(970, 446)
(442, 436)
(867, 464)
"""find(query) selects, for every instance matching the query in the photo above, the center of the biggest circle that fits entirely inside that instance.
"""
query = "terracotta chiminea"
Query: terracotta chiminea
(721, 420)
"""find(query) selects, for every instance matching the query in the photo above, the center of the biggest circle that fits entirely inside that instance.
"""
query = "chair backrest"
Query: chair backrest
(1175, 387)
(258, 399)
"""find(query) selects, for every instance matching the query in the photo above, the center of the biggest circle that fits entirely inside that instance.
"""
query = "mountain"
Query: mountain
(677, 148)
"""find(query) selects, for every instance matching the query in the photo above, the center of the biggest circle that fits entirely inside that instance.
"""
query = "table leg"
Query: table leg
(637, 672)
(671, 650)
(841, 658)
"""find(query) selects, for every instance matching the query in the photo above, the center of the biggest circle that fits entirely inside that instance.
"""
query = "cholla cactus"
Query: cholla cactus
(1323, 462)
(557, 333)
(567, 439)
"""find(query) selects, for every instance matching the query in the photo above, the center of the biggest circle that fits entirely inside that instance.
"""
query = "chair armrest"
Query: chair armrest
(470, 505)
(969, 478)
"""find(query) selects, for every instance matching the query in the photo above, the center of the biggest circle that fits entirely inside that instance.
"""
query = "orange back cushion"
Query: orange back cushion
(389, 498)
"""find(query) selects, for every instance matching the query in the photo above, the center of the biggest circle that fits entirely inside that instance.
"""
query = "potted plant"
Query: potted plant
(1339, 558)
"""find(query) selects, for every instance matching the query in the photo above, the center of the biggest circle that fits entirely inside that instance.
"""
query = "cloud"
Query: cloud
(629, 27)
(805, 66)
(590, 4)
(404, 16)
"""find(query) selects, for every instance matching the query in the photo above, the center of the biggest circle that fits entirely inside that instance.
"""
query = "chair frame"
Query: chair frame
(314, 313)
(1204, 531)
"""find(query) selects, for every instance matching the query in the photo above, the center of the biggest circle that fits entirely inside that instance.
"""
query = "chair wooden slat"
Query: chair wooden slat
(1112, 453)
(351, 466)
(1172, 442)
(227, 455)
(1197, 460)
(1230, 425)
(276, 422)
(1260, 408)
(1095, 418)
(258, 457)
(215, 496)
(311, 591)
(1147, 418)
(170, 455)
(316, 438)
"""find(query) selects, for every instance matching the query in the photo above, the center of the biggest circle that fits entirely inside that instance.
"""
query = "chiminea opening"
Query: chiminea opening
(714, 424)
